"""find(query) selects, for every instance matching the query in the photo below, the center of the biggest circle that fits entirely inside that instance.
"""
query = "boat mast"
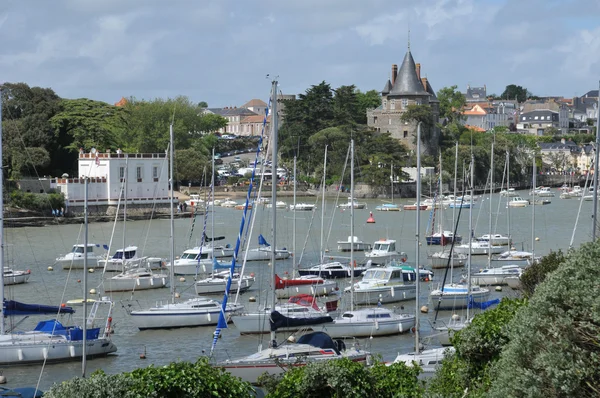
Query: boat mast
(596, 161)
(417, 238)
(392, 179)
(323, 208)
(508, 198)
(293, 219)
(85, 272)
(125, 210)
(454, 208)
(2, 331)
(172, 259)
(352, 225)
(274, 132)
(212, 207)
(491, 209)
(533, 210)
(470, 232)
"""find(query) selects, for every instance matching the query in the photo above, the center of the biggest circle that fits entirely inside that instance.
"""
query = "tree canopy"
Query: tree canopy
(512, 92)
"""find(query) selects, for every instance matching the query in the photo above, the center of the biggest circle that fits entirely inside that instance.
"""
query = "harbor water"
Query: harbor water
(36, 248)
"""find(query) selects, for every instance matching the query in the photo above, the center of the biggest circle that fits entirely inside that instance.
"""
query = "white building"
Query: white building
(145, 176)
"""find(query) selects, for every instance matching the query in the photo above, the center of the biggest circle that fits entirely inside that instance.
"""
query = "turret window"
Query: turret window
(392, 104)
(404, 103)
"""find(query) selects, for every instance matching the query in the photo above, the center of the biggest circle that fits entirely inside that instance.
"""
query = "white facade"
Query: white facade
(144, 174)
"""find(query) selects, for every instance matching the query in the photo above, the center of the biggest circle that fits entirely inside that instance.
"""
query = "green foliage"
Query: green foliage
(367, 100)
(422, 113)
(36, 201)
(513, 91)
(191, 165)
(345, 378)
(554, 348)
(176, 380)
(539, 271)
(26, 161)
(551, 131)
(452, 102)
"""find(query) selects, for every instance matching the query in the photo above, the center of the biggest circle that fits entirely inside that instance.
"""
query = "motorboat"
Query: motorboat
(575, 192)
(384, 250)
(441, 259)
(15, 277)
(497, 239)
(478, 248)
(310, 348)
(308, 284)
(415, 206)
(243, 206)
(75, 258)
(518, 201)
(443, 238)
(456, 296)
(496, 276)
(128, 258)
(543, 192)
(457, 204)
(384, 285)
(229, 203)
(195, 201)
(200, 259)
(388, 207)
(354, 203)
(51, 341)
(509, 193)
(135, 278)
(278, 205)
(428, 360)
(198, 311)
(432, 204)
(353, 243)
(369, 322)
(303, 207)
(334, 269)
(217, 283)
(514, 256)
(264, 252)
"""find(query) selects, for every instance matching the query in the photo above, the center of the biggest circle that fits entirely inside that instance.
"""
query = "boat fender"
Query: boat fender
(108, 324)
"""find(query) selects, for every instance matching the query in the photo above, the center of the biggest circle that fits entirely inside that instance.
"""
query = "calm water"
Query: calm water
(37, 248)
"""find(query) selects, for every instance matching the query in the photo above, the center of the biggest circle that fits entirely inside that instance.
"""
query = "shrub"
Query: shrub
(37, 201)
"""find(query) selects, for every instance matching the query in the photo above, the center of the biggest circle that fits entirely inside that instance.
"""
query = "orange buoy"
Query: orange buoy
(370, 220)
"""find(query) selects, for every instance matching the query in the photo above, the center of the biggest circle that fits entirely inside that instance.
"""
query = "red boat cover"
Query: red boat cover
(283, 283)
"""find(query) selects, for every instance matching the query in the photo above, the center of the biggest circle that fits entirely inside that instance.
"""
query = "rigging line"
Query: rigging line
(112, 235)
(585, 188)
(500, 201)
(337, 198)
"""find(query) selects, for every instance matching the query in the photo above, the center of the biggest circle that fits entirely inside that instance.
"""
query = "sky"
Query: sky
(226, 52)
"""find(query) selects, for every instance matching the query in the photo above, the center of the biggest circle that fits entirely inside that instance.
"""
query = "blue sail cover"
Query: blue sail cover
(218, 265)
(262, 241)
(482, 305)
(15, 308)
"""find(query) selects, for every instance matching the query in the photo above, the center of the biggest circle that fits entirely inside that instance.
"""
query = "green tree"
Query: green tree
(367, 100)
(539, 271)
(512, 91)
(211, 123)
(452, 103)
(423, 114)
(202, 104)
(191, 165)
(554, 348)
(551, 131)
(345, 107)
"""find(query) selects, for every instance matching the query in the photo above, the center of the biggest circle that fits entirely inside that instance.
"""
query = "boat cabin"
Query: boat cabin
(128, 253)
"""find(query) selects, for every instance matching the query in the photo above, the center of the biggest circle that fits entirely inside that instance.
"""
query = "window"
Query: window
(405, 133)
(536, 118)
(155, 173)
(418, 101)
(404, 103)
(390, 121)
(392, 104)
(374, 119)
(384, 104)
(122, 173)
(138, 173)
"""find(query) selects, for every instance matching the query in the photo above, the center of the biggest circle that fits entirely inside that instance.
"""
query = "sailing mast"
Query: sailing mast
(533, 209)
(454, 209)
(491, 209)
(507, 187)
(85, 271)
(596, 162)
(470, 232)
(172, 267)
(392, 180)
(352, 224)
(2, 330)
(274, 132)
(293, 219)
(322, 259)
(417, 238)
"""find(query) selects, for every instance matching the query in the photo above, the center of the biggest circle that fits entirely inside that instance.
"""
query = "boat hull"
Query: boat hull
(165, 319)
(261, 254)
(133, 284)
(342, 328)
(454, 300)
(17, 279)
(384, 294)
(318, 289)
(218, 287)
(325, 273)
(77, 262)
(438, 262)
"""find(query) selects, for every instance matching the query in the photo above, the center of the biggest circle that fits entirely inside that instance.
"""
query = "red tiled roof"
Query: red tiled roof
(122, 102)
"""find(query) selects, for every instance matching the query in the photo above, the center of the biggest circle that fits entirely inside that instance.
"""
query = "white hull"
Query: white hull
(31, 348)
(264, 254)
(479, 250)
(358, 246)
(178, 316)
(77, 263)
(456, 300)
(16, 278)
(513, 282)
(191, 267)
(489, 280)
(441, 260)
(318, 289)
(346, 328)
(429, 360)
(111, 265)
(116, 284)
(384, 294)
(218, 286)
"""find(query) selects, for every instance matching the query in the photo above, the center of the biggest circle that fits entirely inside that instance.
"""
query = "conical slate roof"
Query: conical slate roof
(387, 88)
(433, 97)
(407, 82)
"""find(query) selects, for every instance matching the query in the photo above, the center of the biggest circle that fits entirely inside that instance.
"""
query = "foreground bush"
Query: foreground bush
(344, 378)
(37, 201)
(176, 380)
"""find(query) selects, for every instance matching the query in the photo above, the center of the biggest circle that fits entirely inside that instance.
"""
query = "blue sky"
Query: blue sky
(220, 51)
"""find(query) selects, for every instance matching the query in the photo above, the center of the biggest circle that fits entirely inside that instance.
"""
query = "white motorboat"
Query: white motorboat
(135, 278)
(51, 341)
(200, 259)
(495, 276)
(455, 296)
(229, 203)
(74, 259)
(312, 347)
(441, 259)
(429, 360)
(415, 206)
(15, 277)
(128, 258)
(509, 193)
(518, 201)
(302, 207)
(388, 207)
(353, 243)
(217, 283)
(199, 311)
(354, 203)
(284, 317)
(278, 205)
(333, 270)
(384, 250)
(497, 239)
(308, 284)
(384, 285)
(478, 248)
(369, 322)
(575, 192)
(543, 192)
(195, 201)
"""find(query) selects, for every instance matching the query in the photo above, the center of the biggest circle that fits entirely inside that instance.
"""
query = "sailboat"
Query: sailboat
(50, 340)
(313, 347)
(263, 252)
(440, 237)
(389, 206)
(199, 311)
(431, 358)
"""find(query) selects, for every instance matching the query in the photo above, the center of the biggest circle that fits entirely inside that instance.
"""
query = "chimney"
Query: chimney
(424, 82)
(394, 73)
(562, 141)
(418, 69)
